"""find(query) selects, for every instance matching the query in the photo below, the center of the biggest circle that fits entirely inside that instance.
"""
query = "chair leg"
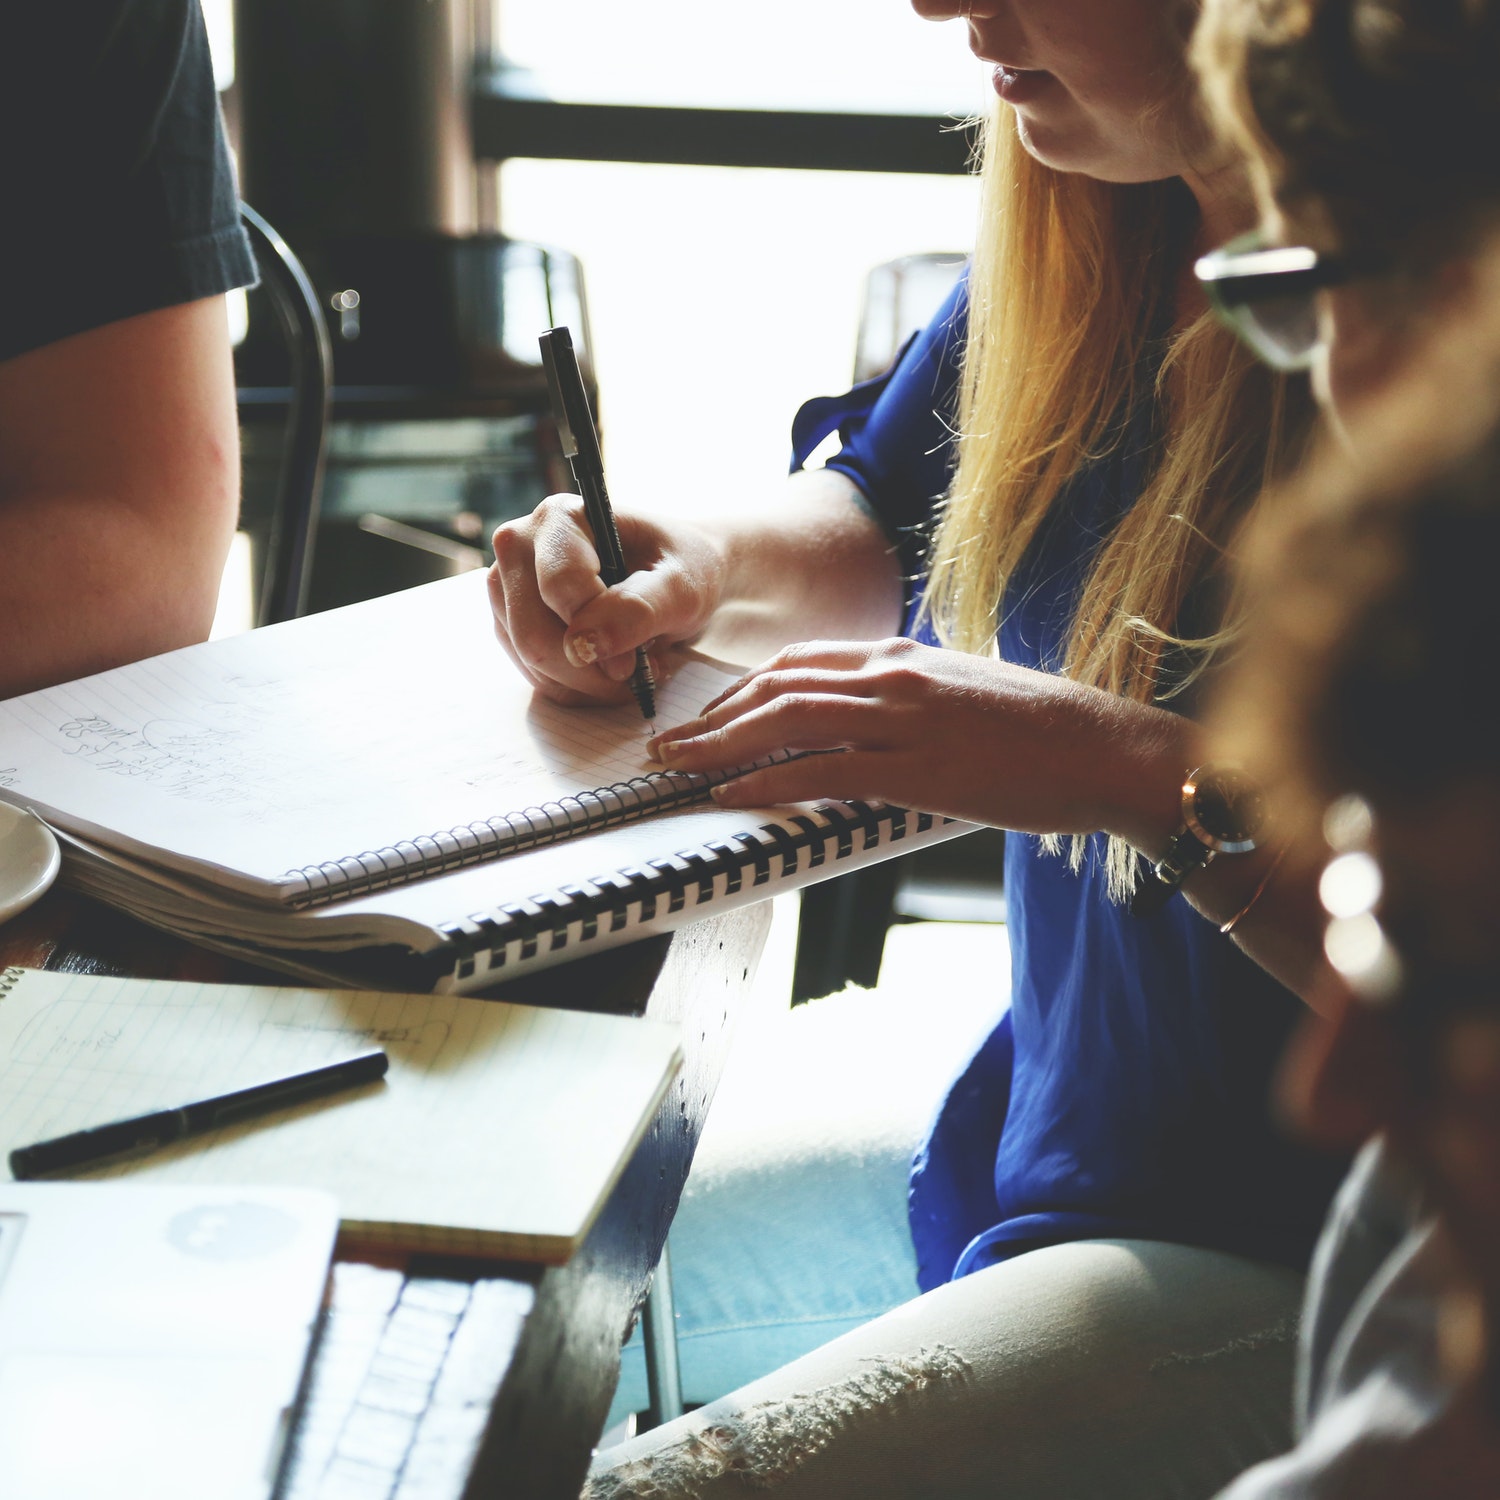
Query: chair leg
(659, 1334)
(841, 933)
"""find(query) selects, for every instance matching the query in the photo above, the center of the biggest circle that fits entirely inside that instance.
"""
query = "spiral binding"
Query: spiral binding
(9, 979)
(473, 843)
(549, 917)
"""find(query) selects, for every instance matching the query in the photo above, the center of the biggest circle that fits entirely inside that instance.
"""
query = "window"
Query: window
(721, 297)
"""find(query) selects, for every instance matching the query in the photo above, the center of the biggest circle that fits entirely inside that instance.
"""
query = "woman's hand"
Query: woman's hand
(812, 562)
(943, 732)
(573, 638)
(982, 740)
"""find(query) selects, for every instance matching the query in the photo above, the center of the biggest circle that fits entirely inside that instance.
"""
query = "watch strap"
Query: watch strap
(1185, 855)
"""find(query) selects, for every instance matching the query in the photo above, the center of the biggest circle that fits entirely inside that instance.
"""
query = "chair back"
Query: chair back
(283, 585)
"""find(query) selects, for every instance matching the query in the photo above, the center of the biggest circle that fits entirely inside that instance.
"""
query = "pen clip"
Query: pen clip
(570, 403)
(549, 342)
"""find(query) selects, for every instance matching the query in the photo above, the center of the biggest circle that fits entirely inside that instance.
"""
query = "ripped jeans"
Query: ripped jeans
(1102, 1370)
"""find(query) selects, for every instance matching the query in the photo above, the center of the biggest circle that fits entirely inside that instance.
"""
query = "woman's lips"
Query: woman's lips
(1019, 85)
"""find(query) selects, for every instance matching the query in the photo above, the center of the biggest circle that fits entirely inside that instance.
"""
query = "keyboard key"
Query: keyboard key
(402, 1383)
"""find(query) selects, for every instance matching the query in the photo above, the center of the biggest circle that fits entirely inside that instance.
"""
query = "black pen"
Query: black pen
(162, 1127)
(580, 446)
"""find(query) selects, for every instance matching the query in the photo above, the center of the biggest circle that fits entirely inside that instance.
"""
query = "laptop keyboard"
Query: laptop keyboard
(401, 1385)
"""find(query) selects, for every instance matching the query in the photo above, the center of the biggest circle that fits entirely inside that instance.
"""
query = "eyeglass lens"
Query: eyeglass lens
(1282, 330)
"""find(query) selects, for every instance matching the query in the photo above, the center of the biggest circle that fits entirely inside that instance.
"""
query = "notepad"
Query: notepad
(255, 793)
(498, 1131)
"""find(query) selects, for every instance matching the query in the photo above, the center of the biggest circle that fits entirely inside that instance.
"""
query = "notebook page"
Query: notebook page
(318, 740)
(499, 1129)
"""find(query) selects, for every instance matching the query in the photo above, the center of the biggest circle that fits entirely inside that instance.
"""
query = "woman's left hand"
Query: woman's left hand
(942, 732)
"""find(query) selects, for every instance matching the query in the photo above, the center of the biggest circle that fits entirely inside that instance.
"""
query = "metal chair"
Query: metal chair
(282, 591)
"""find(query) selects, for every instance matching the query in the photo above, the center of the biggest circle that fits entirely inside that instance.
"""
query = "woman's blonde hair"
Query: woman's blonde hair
(1072, 279)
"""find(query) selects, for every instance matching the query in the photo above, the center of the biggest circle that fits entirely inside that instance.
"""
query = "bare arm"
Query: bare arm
(811, 563)
(816, 563)
(994, 743)
(936, 730)
(119, 491)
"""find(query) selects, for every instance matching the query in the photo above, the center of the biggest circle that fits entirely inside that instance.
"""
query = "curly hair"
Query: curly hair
(1371, 579)
(1375, 123)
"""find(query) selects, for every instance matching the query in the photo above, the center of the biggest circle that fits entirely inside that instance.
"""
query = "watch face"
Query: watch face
(1224, 808)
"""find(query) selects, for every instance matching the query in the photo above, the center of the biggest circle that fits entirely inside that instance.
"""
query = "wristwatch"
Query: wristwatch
(1223, 812)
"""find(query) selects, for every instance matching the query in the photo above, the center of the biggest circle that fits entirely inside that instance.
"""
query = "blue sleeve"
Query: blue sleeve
(897, 430)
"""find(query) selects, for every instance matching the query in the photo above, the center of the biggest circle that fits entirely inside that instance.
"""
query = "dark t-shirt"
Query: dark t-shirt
(116, 192)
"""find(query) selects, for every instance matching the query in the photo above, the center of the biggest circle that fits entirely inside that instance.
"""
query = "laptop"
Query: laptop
(153, 1339)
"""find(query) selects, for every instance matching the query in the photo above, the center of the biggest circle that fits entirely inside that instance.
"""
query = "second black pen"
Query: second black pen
(83, 1148)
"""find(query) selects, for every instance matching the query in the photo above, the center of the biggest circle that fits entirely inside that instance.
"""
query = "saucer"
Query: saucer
(29, 860)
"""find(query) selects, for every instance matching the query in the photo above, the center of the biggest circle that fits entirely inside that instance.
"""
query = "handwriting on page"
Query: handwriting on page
(355, 730)
(230, 754)
(193, 760)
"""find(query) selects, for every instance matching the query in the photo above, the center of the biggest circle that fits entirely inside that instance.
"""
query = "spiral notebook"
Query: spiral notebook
(380, 777)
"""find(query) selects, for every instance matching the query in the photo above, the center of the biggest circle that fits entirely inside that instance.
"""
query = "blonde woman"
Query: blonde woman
(1109, 1233)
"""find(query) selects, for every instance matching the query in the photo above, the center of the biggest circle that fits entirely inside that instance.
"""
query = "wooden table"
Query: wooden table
(554, 1394)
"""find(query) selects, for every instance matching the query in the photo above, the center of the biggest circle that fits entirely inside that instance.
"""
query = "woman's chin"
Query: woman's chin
(1060, 148)
(1080, 146)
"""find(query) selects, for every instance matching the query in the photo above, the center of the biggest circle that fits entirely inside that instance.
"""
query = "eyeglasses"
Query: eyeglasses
(1267, 294)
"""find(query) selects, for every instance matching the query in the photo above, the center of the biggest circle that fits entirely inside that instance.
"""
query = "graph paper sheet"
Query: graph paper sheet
(499, 1129)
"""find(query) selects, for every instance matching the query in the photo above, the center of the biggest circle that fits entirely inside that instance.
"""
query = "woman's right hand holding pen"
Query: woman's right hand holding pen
(811, 563)
(573, 638)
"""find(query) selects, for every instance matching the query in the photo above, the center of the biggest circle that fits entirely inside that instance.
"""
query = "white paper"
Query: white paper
(390, 722)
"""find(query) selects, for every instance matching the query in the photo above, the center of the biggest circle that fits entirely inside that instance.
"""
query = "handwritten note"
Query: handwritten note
(310, 743)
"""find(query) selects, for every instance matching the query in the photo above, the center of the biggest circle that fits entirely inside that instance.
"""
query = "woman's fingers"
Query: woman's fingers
(532, 636)
(544, 570)
(563, 626)
(826, 657)
(843, 775)
(791, 693)
(939, 731)
(788, 721)
(668, 600)
(606, 631)
(549, 687)
(561, 553)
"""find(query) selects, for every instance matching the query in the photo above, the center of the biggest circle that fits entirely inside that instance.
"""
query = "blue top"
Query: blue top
(1125, 1092)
